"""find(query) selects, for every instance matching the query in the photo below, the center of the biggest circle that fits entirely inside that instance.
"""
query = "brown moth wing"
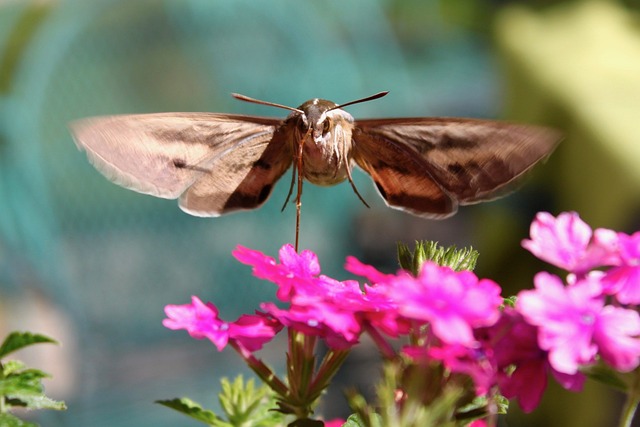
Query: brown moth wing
(243, 179)
(471, 160)
(401, 176)
(166, 153)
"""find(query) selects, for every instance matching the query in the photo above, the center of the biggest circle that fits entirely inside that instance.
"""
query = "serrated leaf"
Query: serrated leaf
(8, 420)
(11, 366)
(193, 410)
(37, 402)
(25, 383)
(17, 340)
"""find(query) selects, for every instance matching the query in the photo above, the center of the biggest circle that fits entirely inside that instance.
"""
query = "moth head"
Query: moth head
(319, 115)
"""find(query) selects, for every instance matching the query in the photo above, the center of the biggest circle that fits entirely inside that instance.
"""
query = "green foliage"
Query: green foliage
(20, 386)
(604, 374)
(17, 340)
(457, 259)
(244, 405)
(193, 410)
(416, 407)
(8, 420)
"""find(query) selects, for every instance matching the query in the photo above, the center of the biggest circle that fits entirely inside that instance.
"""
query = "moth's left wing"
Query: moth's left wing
(215, 163)
(469, 160)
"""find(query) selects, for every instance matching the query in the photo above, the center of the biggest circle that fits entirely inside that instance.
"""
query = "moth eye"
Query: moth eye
(326, 126)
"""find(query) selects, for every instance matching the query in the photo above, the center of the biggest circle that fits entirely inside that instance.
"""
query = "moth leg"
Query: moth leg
(293, 182)
(355, 189)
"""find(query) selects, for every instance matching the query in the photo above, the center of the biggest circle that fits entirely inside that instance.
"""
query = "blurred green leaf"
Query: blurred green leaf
(8, 420)
(608, 376)
(27, 382)
(17, 340)
(243, 404)
(193, 410)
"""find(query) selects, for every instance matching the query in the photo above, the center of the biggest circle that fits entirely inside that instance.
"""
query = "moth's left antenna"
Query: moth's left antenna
(260, 102)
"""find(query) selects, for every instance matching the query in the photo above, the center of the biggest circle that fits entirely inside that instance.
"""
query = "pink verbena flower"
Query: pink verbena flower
(328, 310)
(522, 366)
(294, 269)
(623, 281)
(569, 243)
(319, 305)
(574, 325)
(201, 320)
(452, 302)
(478, 363)
(355, 266)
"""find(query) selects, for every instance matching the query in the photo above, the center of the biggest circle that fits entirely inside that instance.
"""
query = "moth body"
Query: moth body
(220, 163)
(323, 133)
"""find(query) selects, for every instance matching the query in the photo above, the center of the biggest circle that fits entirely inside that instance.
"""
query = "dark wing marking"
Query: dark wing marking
(165, 154)
(468, 160)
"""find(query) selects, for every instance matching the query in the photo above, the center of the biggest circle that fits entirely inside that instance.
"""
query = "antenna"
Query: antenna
(257, 101)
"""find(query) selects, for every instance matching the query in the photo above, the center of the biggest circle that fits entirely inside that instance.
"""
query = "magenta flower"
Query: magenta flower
(452, 302)
(319, 305)
(353, 265)
(574, 325)
(624, 281)
(478, 363)
(522, 365)
(294, 269)
(569, 243)
(201, 321)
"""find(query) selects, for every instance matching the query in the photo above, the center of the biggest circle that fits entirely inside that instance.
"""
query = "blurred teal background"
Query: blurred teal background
(93, 264)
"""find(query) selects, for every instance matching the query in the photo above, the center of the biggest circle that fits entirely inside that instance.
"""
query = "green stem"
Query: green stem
(262, 371)
(631, 403)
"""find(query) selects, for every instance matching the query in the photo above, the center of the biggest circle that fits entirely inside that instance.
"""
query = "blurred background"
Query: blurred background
(93, 265)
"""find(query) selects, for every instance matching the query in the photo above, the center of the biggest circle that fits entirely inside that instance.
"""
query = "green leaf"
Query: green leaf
(193, 410)
(11, 366)
(36, 402)
(17, 340)
(606, 375)
(355, 421)
(247, 405)
(22, 383)
(8, 420)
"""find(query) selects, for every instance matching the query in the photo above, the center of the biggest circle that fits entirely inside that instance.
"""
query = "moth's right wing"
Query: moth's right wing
(215, 163)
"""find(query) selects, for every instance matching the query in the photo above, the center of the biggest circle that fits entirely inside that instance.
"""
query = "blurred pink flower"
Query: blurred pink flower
(574, 325)
(569, 243)
(522, 365)
(624, 281)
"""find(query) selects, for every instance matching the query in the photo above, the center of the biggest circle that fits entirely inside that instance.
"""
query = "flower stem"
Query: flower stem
(631, 403)
(262, 371)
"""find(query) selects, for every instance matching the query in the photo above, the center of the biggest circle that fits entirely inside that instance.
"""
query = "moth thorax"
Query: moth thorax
(326, 152)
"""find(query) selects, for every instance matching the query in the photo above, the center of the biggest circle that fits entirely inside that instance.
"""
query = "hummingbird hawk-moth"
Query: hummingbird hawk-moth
(221, 163)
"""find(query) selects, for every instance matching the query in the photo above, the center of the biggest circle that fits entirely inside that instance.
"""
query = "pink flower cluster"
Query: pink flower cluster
(593, 315)
(455, 317)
